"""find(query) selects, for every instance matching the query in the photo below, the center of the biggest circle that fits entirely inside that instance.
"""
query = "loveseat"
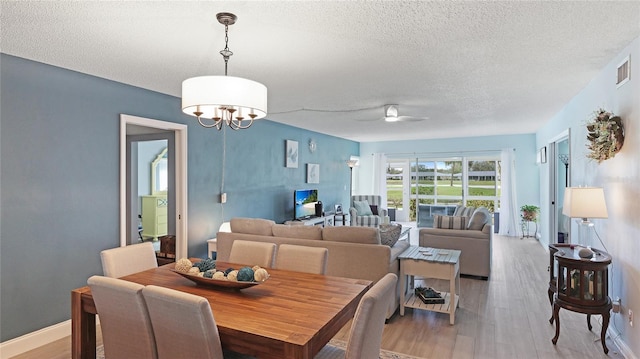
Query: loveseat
(354, 252)
(472, 235)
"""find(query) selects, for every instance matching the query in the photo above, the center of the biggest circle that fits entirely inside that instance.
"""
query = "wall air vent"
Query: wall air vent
(623, 72)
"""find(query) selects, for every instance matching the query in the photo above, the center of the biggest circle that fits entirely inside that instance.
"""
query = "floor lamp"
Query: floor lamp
(565, 159)
(351, 164)
(585, 203)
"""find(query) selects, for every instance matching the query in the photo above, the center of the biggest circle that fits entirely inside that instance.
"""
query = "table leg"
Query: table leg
(603, 332)
(452, 300)
(403, 287)
(550, 294)
(556, 310)
(83, 329)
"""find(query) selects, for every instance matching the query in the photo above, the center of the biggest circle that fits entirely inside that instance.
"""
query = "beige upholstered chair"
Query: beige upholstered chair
(302, 258)
(124, 320)
(252, 253)
(365, 335)
(183, 324)
(122, 261)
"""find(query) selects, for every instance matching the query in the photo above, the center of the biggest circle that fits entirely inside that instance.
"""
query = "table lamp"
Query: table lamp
(585, 203)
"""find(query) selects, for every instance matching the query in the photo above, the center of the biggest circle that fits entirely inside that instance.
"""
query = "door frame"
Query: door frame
(180, 132)
(553, 174)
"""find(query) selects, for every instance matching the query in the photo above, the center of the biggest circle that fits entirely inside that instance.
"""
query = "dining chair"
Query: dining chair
(365, 335)
(124, 319)
(183, 324)
(121, 261)
(252, 253)
(302, 258)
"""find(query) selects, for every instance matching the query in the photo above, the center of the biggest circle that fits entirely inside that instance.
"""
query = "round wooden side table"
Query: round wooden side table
(582, 285)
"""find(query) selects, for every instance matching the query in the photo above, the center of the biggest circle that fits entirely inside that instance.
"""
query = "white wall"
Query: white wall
(620, 178)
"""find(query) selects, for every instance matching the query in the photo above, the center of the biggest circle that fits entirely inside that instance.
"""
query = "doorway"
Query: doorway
(134, 128)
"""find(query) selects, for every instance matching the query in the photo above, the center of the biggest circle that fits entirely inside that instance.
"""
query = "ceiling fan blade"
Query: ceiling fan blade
(369, 119)
(411, 118)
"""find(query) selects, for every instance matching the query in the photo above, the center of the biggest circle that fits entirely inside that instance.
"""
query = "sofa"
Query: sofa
(469, 230)
(354, 252)
(367, 211)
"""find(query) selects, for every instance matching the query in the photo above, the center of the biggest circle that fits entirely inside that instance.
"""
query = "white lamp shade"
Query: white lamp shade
(584, 202)
(225, 227)
(207, 93)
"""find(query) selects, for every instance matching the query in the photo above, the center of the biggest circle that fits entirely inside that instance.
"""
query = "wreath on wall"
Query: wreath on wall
(605, 135)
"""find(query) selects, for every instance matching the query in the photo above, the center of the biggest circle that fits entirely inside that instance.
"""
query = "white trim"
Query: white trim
(35, 339)
(180, 174)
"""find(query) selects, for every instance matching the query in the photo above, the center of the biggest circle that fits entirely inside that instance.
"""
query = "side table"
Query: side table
(582, 286)
(341, 217)
(431, 263)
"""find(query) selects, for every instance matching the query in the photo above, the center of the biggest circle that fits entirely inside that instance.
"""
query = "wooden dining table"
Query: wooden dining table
(290, 315)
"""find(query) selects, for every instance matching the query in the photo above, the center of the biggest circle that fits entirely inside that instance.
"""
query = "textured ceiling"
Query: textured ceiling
(473, 68)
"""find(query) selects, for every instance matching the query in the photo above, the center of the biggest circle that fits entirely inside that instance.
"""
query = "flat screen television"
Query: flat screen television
(304, 203)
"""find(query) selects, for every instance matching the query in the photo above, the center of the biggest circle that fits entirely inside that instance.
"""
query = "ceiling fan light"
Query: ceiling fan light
(391, 119)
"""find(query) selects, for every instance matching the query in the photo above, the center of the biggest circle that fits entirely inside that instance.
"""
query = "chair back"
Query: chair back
(183, 324)
(121, 261)
(365, 336)
(124, 319)
(252, 253)
(302, 258)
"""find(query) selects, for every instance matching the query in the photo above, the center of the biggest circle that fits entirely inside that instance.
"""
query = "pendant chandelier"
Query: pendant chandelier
(224, 100)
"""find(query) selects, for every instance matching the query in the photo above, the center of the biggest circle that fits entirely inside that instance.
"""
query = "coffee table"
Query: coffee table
(430, 263)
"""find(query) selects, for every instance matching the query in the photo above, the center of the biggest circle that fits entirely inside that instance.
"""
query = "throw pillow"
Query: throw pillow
(390, 233)
(479, 218)
(467, 211)
(374, 209)
(458, 211)
(362, 207)
(449, 222)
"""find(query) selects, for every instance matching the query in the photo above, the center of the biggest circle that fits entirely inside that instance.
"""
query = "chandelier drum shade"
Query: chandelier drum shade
(224, 100)
(206, 96)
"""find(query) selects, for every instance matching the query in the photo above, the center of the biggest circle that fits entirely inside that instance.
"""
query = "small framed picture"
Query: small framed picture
(291, 154)
(338, 208)
(313, 173)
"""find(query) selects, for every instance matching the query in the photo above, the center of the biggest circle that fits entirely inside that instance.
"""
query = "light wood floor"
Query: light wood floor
(504, 317)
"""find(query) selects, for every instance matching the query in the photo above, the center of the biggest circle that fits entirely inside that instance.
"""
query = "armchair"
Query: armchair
(359, 214)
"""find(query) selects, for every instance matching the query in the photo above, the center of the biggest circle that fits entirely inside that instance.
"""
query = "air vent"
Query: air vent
(623, 73)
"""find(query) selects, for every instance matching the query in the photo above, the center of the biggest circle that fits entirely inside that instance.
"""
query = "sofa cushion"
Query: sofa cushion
(297, 231)
(257, 226)
(363, 208)
(366, 235)
(480, 217)
(450, 222)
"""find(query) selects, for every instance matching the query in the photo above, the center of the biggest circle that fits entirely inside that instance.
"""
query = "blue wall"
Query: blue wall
(59, 137)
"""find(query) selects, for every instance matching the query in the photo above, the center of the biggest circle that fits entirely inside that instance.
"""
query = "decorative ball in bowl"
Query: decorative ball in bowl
(205, 273)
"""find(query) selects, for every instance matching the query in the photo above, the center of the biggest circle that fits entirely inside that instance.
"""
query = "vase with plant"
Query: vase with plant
(529, 212)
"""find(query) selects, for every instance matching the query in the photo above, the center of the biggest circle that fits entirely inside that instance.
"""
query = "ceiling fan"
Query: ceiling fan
(391, 115)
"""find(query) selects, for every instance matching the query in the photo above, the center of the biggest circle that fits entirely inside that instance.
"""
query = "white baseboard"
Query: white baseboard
(35, 339)
(622, 345)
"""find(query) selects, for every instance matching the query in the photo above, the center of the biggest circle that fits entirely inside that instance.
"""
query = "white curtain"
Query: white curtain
(380, 177)
(508, 201)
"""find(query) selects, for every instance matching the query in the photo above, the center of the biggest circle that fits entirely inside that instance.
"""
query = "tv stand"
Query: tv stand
(314, 221)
